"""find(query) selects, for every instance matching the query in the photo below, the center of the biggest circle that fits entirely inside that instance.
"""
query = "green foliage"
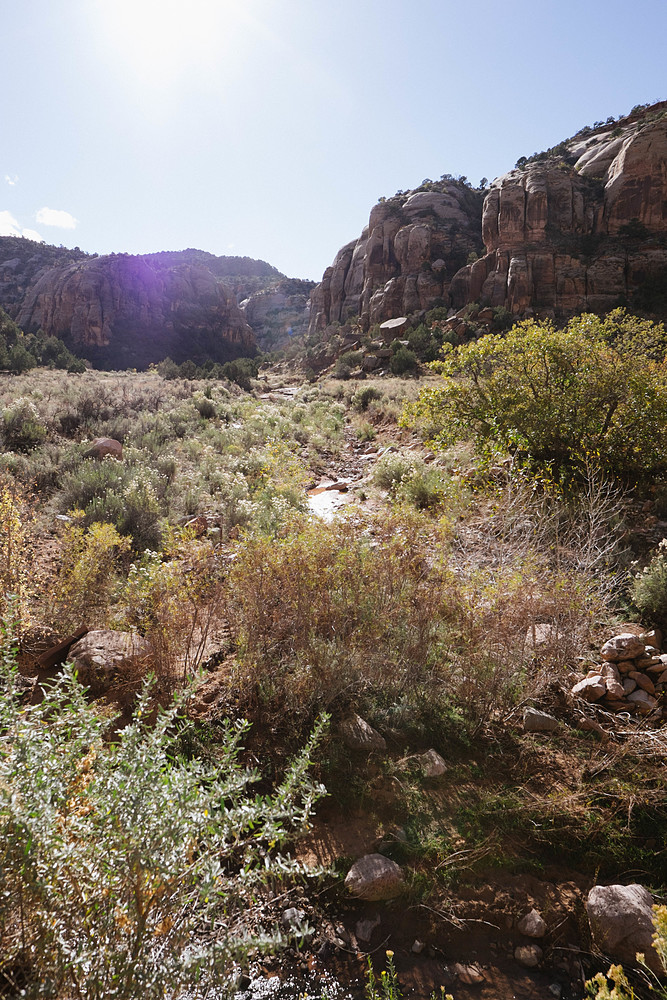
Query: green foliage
(649, 588)
(118, 857)
(21, 427)
(596, 390)
(363, 396)
(403, 361)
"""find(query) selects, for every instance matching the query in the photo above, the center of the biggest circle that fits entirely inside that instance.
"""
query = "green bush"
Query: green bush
(561, 399)
(403, 361)
(649, 588)
(119, 858)
(21, 427)
(364, 396)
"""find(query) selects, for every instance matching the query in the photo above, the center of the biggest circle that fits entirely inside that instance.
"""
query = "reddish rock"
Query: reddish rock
(104, 446)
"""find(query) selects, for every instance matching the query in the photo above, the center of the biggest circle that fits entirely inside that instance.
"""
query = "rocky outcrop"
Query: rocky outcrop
(578, 228)
(278, 313)
(123, 310)
(404, 259)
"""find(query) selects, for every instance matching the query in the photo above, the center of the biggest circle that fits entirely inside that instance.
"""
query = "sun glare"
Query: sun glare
(161, 40)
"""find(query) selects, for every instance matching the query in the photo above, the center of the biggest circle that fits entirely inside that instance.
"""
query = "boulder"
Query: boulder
(431, 763)
(468, 974)
(357, 734)
(535, 721)
(375, 877)
(104, 446)
(621, 921)
(625, 646)
(532, 924)
(528, 955)
(104, 656)
(590, 689)
(645, 702)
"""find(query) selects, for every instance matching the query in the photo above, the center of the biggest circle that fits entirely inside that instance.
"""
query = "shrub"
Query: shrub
(119, 857)
(87, 570)
(403, 361)
(363, 396)
(649, 588)
(559, 398)
(21, 428)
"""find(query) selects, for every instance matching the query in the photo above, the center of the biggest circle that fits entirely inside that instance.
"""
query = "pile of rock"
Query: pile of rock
(632, 675)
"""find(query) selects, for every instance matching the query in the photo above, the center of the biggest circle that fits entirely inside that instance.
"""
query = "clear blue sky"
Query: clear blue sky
(269, 128)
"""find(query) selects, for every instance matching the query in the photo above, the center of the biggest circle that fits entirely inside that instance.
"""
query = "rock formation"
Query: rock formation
(121, 310)
(580, 227)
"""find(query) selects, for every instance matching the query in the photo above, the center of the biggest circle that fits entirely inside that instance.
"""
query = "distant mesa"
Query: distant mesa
(582, 226)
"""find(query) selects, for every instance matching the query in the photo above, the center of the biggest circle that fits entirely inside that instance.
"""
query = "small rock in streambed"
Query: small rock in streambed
(374, 878)
(535, 721)
(528, 955)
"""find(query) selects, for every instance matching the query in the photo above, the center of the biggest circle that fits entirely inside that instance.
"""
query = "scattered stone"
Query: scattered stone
(103, 655)
(645, 702)
(104, 446)
(528, 955)
(625, 646)
(532, 925)
(417, 946)
(364, 928)
(535, 721)
(614, 689)
(590, 689)
(653, 638)
(555, 989)
(357, 734)
(621, 921)
(375, 877)
(432, 765)
(293, 918)
(643, 681)
(468, 974)
(625, 665)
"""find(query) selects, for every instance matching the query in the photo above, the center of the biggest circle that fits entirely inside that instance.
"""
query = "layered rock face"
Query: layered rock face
(579, 228)
(122, 310)
(404, 259)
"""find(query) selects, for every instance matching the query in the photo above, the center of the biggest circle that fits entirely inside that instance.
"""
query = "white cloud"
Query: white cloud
(9, 226)
(56, 217)
(12, 180)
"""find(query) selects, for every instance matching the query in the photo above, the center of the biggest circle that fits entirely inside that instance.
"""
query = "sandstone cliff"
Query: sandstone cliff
(582, 226)
(121, 310)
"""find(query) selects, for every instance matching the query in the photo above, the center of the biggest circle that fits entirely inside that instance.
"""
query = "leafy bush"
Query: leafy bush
(596, 390)
(363, 396)
(649, 588)
(86, 574)
(403, 361)
(118, 857)
(21, 427)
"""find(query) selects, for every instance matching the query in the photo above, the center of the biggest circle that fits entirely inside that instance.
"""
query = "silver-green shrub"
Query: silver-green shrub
(126, 871)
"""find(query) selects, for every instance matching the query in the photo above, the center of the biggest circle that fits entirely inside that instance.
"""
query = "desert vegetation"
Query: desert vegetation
(504, 515)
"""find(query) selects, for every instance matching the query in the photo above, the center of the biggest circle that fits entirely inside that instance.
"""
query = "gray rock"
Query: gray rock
(357, 734)
(293, 917)
(621, 921)
(103, 656)
(468, 974)
(532, 925)
(375, 877)
(528, 955)
(590, 689)
(364, 928)
(431, 763)
(535, 721)
(625, 646)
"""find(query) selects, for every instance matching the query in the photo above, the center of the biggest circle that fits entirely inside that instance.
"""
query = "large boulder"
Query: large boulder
(620, 648)
(375, 877)
(621, 921)
(101, 447)
(103, 657)
(357, 734)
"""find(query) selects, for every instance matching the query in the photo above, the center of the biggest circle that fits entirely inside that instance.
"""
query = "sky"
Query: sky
(269, 128)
